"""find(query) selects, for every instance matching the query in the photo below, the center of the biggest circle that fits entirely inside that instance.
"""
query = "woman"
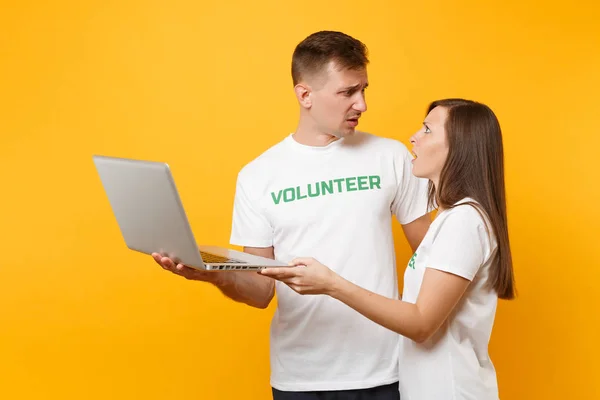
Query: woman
(460, 269)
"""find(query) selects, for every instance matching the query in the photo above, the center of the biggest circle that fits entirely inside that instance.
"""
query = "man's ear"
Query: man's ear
(303, 94)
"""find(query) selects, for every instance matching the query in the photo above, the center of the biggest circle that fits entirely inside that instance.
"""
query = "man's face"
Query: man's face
(338, 100)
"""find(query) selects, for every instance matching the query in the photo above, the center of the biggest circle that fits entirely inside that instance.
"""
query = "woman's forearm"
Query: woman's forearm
(397, 315)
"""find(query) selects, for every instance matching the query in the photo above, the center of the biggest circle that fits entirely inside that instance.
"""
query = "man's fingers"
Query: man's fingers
(176, 267)
(157, 257)
(167, 262)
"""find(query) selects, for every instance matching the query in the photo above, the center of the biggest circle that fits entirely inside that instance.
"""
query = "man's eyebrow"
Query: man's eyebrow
(354, 87)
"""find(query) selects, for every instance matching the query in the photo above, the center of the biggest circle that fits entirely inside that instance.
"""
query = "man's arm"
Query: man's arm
(242, 286)
(246, 287)
(415, 231)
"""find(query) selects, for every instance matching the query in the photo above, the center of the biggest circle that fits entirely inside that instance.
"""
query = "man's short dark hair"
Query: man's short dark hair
(315, 52)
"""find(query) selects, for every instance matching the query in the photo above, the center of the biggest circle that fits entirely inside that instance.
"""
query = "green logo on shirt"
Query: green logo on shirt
(323, 188)
(411, 263)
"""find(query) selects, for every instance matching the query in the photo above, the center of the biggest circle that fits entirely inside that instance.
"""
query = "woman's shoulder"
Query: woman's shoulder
(468, 209)
(466, 214)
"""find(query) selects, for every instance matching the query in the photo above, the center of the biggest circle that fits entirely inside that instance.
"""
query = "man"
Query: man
(348, 184)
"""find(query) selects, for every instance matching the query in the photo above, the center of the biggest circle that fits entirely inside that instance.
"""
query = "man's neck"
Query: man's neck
(309, 136)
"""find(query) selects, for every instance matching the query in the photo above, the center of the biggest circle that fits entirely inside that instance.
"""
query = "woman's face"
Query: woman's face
(430, 146)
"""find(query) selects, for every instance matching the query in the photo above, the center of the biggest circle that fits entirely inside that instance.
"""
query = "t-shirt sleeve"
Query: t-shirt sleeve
(250, 226)
(410, 200)
(461, 243)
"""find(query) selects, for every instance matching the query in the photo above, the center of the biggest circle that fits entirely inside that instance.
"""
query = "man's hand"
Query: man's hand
(187, 272)
(305, 276)
(241, 286)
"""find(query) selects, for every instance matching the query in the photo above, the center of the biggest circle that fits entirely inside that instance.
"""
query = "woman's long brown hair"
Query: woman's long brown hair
(475, 168)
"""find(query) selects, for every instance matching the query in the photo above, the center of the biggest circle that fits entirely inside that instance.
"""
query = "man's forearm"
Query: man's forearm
(246, 287)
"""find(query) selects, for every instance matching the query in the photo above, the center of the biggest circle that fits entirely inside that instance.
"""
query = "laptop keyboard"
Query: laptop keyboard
(212, 258)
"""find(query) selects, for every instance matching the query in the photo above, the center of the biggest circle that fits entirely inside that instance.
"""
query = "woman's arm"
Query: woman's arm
(439, 294)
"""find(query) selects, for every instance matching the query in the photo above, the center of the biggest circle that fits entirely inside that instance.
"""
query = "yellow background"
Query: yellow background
(206, 87)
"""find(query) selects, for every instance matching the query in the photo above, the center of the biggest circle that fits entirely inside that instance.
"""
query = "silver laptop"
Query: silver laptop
(150, 215)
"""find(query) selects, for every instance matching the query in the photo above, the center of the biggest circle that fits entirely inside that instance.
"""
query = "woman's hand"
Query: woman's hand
(305, 276)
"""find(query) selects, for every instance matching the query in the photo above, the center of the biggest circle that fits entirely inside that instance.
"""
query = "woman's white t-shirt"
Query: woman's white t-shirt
(454, 363)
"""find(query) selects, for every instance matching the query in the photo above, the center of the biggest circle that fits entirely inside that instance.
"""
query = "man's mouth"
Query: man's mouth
(353, 121)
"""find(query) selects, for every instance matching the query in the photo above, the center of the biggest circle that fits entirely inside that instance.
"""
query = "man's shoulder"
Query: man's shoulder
(264, 162)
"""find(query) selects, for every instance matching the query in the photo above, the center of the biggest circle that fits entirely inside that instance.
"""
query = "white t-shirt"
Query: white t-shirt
(454, 364)
(333, 203)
